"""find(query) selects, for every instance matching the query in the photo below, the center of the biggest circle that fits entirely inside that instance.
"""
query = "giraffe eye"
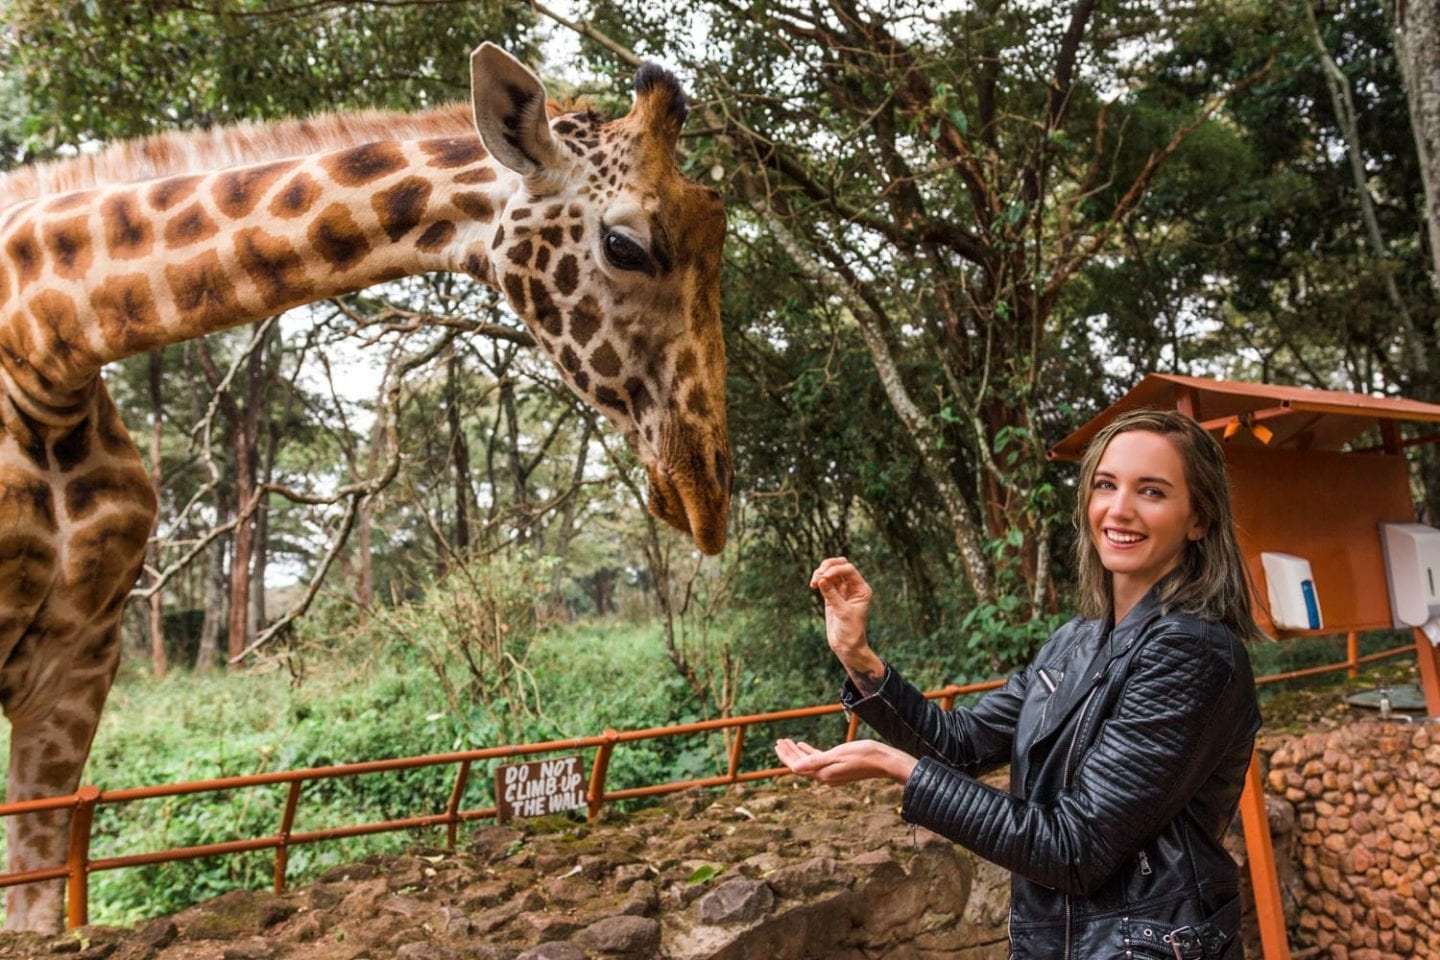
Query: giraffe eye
(624, 253)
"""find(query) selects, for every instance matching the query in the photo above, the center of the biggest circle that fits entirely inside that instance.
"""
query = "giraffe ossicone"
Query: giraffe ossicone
(605, 250)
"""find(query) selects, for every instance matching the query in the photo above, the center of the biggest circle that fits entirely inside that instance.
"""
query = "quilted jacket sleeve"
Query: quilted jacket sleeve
(1180, 710)
(971, 739)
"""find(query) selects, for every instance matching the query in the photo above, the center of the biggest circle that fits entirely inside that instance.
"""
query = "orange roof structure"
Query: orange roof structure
(1293, 417)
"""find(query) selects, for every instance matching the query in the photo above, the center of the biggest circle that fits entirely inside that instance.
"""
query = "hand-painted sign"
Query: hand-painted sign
(539, 787)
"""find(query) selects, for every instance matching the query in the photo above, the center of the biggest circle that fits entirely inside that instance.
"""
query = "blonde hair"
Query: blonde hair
(1211, 580)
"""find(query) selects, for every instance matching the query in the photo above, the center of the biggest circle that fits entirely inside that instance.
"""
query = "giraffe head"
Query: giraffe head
(612, 258)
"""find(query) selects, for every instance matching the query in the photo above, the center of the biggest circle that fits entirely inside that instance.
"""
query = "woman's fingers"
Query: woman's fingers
(830, 568)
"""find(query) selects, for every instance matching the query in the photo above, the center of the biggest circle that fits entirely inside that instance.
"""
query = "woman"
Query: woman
(1128, 737)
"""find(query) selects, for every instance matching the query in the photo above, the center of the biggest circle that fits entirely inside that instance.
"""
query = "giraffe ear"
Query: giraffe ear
(509, 105)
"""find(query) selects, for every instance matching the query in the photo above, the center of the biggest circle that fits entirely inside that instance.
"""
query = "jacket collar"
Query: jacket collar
(1091, 656)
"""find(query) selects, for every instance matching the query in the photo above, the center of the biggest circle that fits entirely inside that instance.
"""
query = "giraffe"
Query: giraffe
(609, 255)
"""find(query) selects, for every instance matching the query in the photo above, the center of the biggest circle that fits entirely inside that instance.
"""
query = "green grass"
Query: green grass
(370, 696)
(187, 727)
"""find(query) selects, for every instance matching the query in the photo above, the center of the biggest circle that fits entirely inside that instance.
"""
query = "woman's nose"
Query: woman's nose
(1122, 504)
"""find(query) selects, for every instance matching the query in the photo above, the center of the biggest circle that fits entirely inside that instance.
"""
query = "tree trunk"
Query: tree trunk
(262, 526)
(215, 581)
(459, 454)
(1417, 46)
(158, 660)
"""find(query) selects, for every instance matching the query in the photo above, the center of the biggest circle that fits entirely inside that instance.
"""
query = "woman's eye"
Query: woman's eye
(624, 253)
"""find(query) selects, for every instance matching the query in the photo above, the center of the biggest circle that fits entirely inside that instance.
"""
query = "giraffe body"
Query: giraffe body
(607, 253)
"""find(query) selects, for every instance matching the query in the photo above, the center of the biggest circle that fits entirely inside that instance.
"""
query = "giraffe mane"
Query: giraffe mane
(179, 152)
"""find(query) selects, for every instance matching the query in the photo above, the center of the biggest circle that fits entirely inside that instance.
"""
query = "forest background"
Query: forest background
(957, 231)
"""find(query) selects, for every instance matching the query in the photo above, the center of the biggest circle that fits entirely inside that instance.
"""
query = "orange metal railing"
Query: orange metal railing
(87, 799)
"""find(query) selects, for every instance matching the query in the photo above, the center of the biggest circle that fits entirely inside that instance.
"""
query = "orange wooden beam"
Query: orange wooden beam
(1269, 911)
(1429, 660)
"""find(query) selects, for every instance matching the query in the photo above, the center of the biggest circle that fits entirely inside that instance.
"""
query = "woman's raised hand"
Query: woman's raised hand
(847, 606)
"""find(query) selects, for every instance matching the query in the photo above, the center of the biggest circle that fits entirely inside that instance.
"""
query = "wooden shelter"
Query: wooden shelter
(1312, 473)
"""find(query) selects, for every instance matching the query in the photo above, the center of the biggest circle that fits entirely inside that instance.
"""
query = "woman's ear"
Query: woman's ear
(1198, 529)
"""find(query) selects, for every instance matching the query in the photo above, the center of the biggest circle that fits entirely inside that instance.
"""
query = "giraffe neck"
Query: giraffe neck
(90, 277)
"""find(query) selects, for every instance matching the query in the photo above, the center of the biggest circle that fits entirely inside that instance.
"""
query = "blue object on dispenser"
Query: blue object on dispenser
(1312, 606)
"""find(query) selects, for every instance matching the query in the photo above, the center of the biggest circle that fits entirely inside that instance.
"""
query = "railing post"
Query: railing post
(852, 728)
(947, 699)
(452, 811)
(595, 796)
(1264, 882)
(1427, 658)
(1352, 652)
(287, 821)
(735, 747)
(77, 861)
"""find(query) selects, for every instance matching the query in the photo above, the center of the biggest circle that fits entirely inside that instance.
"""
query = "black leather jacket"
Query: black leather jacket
(1128, 750)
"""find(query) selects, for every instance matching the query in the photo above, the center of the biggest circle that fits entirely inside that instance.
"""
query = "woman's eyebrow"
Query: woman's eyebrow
(1110, 476)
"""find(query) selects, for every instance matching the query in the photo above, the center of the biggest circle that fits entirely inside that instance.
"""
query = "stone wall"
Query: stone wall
(1367, 831)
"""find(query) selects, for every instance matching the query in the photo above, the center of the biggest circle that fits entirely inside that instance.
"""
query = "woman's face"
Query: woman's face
(1139, 511)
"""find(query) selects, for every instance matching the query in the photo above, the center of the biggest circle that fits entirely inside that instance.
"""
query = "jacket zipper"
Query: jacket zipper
(1065, 782)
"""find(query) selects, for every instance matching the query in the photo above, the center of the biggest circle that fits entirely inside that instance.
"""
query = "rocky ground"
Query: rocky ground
(786, 870)
(781, 871)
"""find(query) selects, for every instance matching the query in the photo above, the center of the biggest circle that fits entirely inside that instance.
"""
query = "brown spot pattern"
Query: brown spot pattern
(171, 192)
(337, 238)
(87, 491)
(476, 206)
(521, 252)
(237, 192)
(567, 275)
(640, 399)
(401, 207)
(609, 398)
(515, 290)
(202, 291)
(478, 175)
(69, 201)
(296, 197)
(584, 320)
(546, 313)
(273, 266)
(25, 254)
(605, 360)
(698, 402)
(72, 448)
(125, 310)
(553, 235)
(191, 225)
(454, 151)
(361, 165)
(569, 359)
(68, 242)
(436, 236)
(128, 235)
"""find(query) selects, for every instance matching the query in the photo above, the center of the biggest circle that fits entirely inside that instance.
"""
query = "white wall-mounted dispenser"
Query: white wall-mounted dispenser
(1294, 604)
(1412, 570)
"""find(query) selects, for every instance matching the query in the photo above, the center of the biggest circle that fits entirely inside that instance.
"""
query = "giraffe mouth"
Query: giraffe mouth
(697, 509)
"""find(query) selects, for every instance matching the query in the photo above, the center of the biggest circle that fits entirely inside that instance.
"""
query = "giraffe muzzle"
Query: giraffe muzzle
(698, 506)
